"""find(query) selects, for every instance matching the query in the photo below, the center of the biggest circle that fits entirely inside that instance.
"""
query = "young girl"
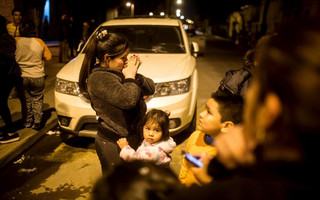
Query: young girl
(116, 93)
(157, 143)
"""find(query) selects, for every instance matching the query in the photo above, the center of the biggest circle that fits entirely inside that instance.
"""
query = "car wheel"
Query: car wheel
(76, 141)
(181, 137)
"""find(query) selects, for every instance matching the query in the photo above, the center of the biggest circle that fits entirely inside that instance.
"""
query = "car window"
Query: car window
(151, 38)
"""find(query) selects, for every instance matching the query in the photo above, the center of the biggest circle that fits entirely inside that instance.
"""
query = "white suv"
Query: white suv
(168, 58)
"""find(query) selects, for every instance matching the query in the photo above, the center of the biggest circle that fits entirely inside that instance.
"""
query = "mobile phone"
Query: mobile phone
(193, 160)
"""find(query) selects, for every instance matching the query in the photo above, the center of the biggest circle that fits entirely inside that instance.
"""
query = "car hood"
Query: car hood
(158, 67)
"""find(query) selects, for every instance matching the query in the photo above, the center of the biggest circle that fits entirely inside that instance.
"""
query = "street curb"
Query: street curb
(28, 137)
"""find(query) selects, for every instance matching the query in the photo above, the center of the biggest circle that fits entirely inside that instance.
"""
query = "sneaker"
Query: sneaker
(10, 138)
(36, 126)
(2, 135)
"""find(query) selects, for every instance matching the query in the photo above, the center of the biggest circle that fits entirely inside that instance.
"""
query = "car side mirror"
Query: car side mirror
(194, 49)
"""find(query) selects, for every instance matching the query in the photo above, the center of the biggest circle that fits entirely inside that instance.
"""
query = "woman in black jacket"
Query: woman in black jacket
(116, 93)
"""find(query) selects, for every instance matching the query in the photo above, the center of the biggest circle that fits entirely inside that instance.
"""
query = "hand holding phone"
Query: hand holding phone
(193, 160)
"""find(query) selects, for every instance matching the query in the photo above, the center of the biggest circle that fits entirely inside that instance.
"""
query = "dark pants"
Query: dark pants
(33, 91)
(6, 85)
(109, 152)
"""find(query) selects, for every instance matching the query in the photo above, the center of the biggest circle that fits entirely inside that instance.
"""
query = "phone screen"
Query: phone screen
(194, 160)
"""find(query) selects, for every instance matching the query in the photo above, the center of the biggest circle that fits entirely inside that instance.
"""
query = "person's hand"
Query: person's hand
(131, 67)
(201, 173)
(122, 142)
(233, 148)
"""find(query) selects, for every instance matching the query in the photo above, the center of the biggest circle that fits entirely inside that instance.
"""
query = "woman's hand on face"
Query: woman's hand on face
(122, 142)
(131, 67)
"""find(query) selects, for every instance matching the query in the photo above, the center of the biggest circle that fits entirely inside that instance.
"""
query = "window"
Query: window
(152, 38)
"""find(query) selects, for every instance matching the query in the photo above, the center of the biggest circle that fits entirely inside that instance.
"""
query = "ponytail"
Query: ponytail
(87, 65)
(99, 45)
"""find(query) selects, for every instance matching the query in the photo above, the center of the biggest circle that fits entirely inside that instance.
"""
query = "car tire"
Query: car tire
(181, 137)
(76, 141)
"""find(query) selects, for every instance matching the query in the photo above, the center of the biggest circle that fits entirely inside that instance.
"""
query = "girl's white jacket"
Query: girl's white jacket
(158, 152)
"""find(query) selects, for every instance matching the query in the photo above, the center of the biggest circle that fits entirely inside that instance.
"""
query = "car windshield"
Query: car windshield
(151, 38)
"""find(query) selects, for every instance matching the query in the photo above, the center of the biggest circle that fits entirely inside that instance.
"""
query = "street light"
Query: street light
(131, 5)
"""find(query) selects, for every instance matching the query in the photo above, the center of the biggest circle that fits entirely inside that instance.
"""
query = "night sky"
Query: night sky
(216, 10)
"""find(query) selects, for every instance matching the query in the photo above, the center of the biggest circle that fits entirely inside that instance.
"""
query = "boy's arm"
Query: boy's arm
(183, 171)
(184, 167)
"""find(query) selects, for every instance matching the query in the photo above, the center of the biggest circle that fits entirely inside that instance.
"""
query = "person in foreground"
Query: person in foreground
(274, 155)
(137, 180)
(157, 144)
(223, 111)
(116, 93)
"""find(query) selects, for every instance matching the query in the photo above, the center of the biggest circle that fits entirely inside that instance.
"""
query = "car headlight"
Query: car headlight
(172, 88)
(67, 87)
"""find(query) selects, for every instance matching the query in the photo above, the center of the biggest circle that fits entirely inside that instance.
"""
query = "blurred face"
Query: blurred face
(152, 132)
(252, 111)
(119, 61)
(17, 17)
(210, 119)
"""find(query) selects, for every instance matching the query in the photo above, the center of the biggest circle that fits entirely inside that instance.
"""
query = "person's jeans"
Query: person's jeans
(33, 90)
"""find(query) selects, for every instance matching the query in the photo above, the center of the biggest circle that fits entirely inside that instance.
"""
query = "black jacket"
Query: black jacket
(236, 81)
(118, 102)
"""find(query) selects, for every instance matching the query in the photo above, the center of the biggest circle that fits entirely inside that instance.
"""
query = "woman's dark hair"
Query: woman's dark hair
(160, 117)
(27, 28)
(137, 180)
(100, 43)
(250, 53)
(289, 66)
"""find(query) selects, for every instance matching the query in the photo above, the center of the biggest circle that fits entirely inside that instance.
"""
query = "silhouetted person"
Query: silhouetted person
(63, 43)
(45, 28)
(14, 26)
(8, 75)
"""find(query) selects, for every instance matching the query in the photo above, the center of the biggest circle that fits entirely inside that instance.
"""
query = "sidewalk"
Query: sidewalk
(28, 136)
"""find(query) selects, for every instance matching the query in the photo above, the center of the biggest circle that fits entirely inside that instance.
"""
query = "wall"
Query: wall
(6, 7)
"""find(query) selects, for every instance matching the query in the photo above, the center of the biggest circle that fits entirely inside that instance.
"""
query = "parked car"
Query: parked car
(167, 57)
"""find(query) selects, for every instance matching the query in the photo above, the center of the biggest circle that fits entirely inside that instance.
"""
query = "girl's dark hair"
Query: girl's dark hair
(27, 28)
(100, 43)
(160, 117)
